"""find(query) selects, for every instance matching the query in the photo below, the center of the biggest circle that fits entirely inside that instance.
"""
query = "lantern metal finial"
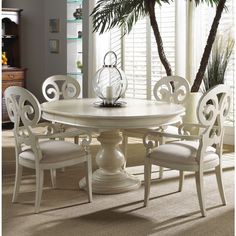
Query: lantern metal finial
(109, 82)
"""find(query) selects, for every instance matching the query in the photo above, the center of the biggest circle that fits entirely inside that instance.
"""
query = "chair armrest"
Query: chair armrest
(191, 128)
(53, 131)
(150, 139)
(61, 134)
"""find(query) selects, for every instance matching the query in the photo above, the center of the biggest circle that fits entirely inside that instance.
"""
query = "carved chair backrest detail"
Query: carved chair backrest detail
(59, 87)
(212, 111)
(24, 111)
(163, 90)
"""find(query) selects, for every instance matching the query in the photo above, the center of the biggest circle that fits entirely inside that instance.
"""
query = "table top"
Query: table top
(135, 114)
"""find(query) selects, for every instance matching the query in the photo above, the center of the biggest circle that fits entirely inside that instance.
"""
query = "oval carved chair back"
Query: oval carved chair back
(212, 111)
(23, 107)
(58, 87)
(163, 90)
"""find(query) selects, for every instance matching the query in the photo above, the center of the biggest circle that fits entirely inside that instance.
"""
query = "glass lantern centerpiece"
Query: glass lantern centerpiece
(110, 83)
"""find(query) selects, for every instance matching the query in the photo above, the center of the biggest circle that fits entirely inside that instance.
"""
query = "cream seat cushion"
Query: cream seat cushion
(182, 152)
(55, 151)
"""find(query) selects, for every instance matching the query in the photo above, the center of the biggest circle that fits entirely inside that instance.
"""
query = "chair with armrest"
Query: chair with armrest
(164, 92)
(59, 87)
(40, 151)
(195, 153)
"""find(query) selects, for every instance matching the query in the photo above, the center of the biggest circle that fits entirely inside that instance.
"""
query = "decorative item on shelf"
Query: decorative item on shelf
(4, 60)
(79, 34)
(110, 83)
(79, 63)
(78, 13)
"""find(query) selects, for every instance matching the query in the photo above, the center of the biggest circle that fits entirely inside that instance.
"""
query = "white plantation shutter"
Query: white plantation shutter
(110, 41)
(142, 64)
(135, 66)
(166, 20)
(115, 45)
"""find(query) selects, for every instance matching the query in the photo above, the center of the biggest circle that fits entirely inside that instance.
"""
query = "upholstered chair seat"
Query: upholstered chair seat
(182, 153)
(54, 151)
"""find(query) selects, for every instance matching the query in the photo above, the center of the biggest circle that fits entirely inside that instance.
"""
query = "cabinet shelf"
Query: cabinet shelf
(74, 38)
(12, 73)
(75, 1)
(74, 43)
(9, 36)
(74, 73)
(74, 20)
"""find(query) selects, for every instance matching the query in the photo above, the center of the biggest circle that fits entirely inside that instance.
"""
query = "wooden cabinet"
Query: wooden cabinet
(12, 73)
(11, 77)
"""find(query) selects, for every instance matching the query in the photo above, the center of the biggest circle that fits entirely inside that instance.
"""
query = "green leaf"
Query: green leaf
(108, 14)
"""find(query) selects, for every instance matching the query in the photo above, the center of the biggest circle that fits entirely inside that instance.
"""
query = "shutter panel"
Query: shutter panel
(142, 64)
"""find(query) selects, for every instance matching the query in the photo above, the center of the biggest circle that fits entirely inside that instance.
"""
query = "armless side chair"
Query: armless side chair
(41, 151)
(194, 153)
(164, 92)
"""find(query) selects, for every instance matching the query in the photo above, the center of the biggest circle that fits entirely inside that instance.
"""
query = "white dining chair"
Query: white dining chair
(195, 153)
(59, 87)
(41, 151)
(163, 91)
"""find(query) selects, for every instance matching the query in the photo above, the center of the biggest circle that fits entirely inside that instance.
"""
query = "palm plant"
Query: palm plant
(109, 14)
(218, 61)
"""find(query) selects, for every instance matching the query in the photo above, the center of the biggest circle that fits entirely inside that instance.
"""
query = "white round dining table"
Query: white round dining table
(110, 177)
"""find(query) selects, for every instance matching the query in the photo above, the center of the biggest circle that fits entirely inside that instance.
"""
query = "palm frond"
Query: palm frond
(108, 14)
(211, 3)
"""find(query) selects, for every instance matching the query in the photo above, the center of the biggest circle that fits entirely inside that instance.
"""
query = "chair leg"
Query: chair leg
(76, 140)
(89, 179)
(200, 191)
(161, 170)
(19, 169)
(218, 171)
(53, 173)
(147, 180)
(62, 169)
(181, 180)
(124, 148)
(39, 188)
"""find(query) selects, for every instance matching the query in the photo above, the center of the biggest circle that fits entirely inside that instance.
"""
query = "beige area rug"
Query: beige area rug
(66, 212)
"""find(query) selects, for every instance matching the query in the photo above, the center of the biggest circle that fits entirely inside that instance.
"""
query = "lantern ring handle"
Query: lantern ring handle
(104, 60)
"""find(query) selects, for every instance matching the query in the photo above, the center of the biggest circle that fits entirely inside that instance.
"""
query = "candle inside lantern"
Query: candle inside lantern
(109, 94)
